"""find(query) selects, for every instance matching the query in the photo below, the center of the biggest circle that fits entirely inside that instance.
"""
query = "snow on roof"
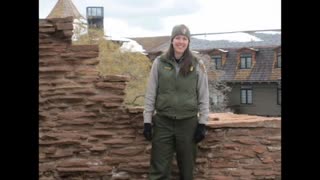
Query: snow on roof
(222, 50)
(236, 37)
(269, 32)
(132, 46)
(114, 38)
(128, 45)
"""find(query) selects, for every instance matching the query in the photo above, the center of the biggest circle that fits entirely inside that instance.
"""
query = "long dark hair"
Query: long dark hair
(187, 59)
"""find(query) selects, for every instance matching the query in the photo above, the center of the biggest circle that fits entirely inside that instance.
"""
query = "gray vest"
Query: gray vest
(176, 95)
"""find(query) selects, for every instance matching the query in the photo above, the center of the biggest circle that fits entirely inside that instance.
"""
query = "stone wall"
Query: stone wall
(85, 131)
(241, 147)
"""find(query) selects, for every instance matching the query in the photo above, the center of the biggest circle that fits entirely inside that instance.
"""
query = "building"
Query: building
(249, 62)
(95, 17)
(254, 74)
(64, 8)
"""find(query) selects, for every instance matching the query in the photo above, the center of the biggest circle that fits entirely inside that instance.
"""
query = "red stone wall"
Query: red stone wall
(85, 131)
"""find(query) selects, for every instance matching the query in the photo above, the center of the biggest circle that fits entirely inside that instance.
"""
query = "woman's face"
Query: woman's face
(180, 44)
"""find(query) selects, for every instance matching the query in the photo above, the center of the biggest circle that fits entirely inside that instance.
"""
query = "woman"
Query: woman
(176, 107)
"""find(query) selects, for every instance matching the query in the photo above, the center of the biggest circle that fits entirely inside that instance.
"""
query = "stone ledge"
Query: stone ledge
(219, 120)
(135, 110)
(113, 78)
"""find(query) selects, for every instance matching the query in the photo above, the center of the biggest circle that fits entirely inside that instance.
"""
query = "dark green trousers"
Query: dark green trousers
(172, 135)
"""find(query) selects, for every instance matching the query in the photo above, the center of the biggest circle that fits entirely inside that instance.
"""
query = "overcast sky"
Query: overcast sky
(140, 18)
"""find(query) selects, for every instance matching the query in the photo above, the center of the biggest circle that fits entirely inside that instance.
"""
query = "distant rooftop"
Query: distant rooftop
(203, 41)
(64, 8)
(237, 39)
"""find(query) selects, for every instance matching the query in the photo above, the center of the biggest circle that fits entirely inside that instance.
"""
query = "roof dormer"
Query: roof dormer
(219, 57)
(246, 58)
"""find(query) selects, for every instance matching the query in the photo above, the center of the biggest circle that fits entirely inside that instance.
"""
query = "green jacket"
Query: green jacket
(176, 95)
(151, 96)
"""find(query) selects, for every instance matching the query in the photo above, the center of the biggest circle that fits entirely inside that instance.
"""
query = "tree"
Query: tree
(218, 89)
(115, 61)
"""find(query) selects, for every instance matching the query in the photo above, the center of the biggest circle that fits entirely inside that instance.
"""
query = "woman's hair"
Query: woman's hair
(186, 61)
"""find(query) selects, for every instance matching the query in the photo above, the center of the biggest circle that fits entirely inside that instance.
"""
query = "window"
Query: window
(95, 11)
(89, 12)
(217, 61)
(279, 60)
(246, 96)
(279, 96)
(217, 99)
(245, 61)
(99, 12)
